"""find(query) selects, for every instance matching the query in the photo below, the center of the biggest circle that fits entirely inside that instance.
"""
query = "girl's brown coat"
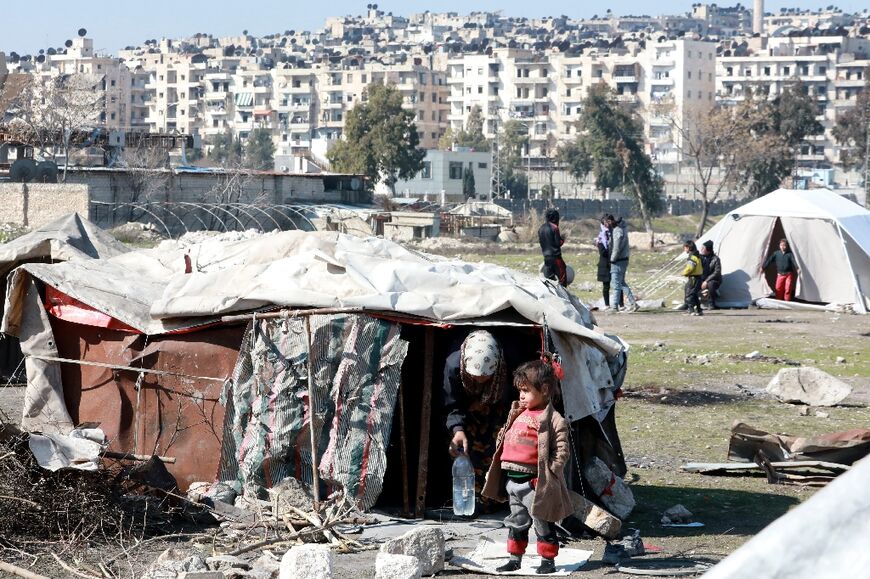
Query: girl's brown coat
(552, 501)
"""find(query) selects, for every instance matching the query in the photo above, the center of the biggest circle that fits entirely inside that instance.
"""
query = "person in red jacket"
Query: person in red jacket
(532, 451)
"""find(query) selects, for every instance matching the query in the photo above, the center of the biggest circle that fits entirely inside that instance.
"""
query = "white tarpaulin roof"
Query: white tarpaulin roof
(149, 290)
(66, 239)
(830, 237)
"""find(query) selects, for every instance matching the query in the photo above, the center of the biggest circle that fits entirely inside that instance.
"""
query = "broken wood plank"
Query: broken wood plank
(713, 467)
(136, 457)
(425, 419)
(19, 571)
(403, 449)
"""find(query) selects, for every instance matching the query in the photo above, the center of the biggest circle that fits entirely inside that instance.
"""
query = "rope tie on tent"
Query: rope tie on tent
(122, 367)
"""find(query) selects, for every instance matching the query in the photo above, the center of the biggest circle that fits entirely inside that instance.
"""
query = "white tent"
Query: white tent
(829, 235)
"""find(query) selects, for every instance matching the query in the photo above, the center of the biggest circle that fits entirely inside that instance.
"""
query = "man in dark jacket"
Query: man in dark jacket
(712, 276)
(551, 246)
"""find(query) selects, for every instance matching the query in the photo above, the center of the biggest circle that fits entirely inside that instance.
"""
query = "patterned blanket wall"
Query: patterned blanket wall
(357, 364)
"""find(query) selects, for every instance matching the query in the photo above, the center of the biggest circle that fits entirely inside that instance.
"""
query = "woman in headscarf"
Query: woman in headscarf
(475, 399)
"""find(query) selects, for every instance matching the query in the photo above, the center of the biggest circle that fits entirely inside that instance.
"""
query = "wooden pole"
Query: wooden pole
(292, 314)
(19, 572)
(312, 435)
(403, 449)
(425, 418)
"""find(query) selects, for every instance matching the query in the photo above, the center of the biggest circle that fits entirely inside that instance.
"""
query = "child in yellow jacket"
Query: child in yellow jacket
(693, 271)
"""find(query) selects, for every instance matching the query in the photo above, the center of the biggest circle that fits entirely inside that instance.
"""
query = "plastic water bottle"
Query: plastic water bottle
(463, 486)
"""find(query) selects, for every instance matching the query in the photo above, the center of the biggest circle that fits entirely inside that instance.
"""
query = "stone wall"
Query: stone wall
(36, 204)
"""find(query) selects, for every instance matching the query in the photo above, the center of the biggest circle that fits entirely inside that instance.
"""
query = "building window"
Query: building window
(766, 71)
(426, 172)
(482, 165)
(689, 74)
(786, 70)
(729, 71)
(480, 90)
(455, 169)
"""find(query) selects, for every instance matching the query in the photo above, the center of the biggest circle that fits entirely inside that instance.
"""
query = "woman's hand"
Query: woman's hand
(459, 444)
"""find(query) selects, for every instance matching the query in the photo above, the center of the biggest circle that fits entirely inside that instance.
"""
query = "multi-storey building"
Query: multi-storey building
(545, 91)
(830, 68)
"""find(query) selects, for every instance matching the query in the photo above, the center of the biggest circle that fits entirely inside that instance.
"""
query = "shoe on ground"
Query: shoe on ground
(546, 567)
(512, 565)
(699, 313)
(630, 309)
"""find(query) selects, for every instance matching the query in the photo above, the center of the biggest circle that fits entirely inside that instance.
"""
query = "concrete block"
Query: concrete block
(426, 544)
(808, 385)
(595, 517)
(310, 561)
(388, 566)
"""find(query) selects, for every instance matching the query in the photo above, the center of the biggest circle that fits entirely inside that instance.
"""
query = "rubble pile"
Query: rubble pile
(39, 507)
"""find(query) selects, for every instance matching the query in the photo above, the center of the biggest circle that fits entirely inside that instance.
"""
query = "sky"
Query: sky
(113, 25)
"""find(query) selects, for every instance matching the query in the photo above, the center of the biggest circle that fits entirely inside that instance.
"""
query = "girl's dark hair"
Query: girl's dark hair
(691, 245)
(539, 375)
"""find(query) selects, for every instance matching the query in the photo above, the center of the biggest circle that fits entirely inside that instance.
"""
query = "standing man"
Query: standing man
(712, 276)
(551, 241)
(619, 265)
(787, 270)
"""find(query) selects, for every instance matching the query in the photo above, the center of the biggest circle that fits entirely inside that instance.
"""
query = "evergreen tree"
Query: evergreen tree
(468, 183)
(225, 149)
(380, 139)
(260, 150)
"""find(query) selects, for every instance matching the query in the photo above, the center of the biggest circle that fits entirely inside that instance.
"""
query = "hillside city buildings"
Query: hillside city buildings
(300, 85)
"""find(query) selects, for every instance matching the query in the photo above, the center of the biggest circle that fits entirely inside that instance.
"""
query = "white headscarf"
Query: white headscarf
(481, 354)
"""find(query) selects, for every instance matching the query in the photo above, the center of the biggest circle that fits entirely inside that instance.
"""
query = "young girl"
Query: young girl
(531, 452)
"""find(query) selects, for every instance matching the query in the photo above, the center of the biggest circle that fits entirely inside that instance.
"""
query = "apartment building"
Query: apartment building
(831, 69)
(545, 91)
(114, 81)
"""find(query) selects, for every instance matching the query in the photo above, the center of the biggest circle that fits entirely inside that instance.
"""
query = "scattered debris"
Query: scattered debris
(677, 514)
(821, 414)
(737, 467)
(308, 561)
(595, 518)
(609, 488)
(426, 544)
(390, 566)
(804, 411)
(843, 448)
(667, 567)
(807, 385)
(840, 360)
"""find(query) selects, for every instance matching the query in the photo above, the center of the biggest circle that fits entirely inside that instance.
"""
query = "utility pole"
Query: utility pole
(867, 157)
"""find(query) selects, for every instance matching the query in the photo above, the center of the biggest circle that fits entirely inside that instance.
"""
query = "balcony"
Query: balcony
(626, 79)
(849, 83)
(662, 82)
(627, 98)
(531, 80)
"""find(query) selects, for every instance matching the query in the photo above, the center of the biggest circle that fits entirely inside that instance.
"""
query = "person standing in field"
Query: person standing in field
(712, 277)
(787, 270)
(551, 241)
(619, 253)
(693, 272)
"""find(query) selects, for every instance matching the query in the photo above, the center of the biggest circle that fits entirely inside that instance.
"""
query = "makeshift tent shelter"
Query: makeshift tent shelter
(141, 344)
(829, 235)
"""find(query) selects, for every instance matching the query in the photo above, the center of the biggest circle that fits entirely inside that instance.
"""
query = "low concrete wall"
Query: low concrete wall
(585, 208)
(36, 204)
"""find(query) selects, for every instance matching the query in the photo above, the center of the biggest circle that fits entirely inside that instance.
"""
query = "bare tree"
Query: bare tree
(706, 137)
(55, 113)
(147, 173)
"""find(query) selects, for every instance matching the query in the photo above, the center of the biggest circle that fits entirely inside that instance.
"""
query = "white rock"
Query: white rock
(388, 566)
(753, 355)
(808, 385)
(426, 544)
(840, 360)
(309, 561)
